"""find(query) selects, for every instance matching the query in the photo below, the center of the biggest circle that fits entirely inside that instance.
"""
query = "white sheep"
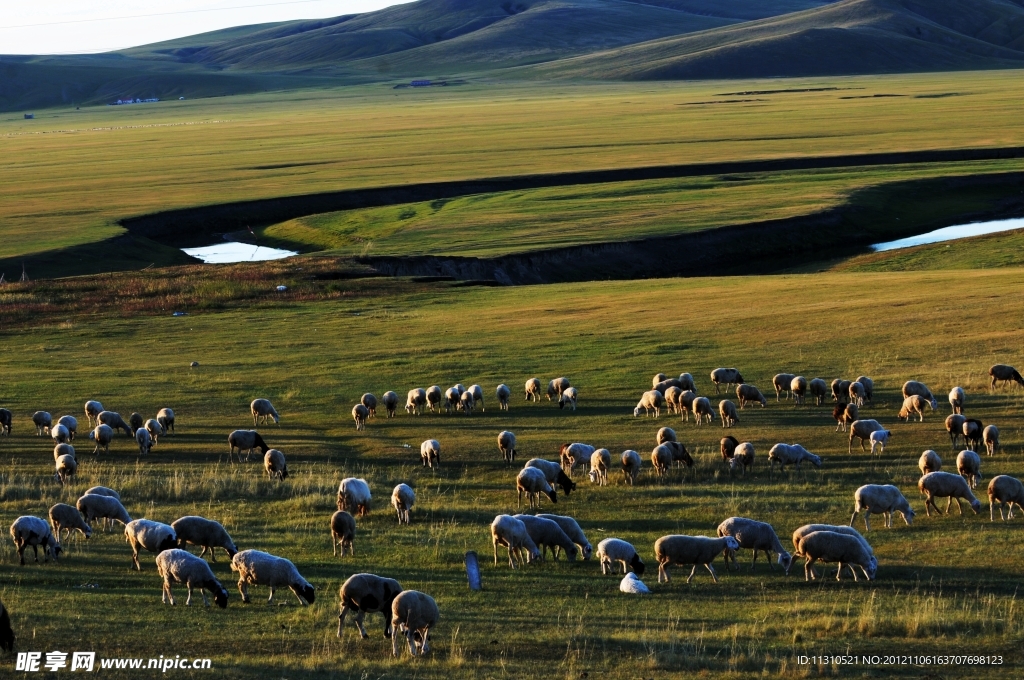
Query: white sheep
(556, 387)
(370, 402)
(390, 400)
(807, 529)
(968, 464)
(165, 417)
(742, 458)
(725, 376)
(652, 400)
(262, 409)
(883, 499)
(686, 382)
(1007, 491)
(510, 532)
(862, 429)
(946, 485)
(879, 438)
(841, 390)
(92, 409)
(42, 421)
(354, 496)
(929, 462)
(102, 435)
(467, 402)
(68, 422)
(955, 428)
(798, 388)
(359, 414)
(844, 414)
(413, 614)
(364, 593)
(661, 459)
(856, 393)
(666, 434)
(343, 532)
(572, 529)
(67, 467)
(258, 568)
(503, 393)
(869, 386)
(614, 550)
(179, 566)
(684, 404)
(63, 450)
(533, 389)
(957, 397)
(819, 390)
(631, 463)
(153, 536)
(727, 411)
(912, 387)
(64, 517)
(554, 473)
(575, 454)
(478, 397)
(60, 434)
(415, 400)
(275, 464)
(434, 396)
(991, 438)
(702, 410)
(95, 506)
(547, 533)
(243, 440)
(830, 546)
(203, 532)
(749, 393)
(28, 531)
(135, 421)
(914, 404)
(781, 382)
(1005, 374)
(687, 550)
(533, 483)
(568, 398)
(658, 377)
(757, 536)
(402, 500)
(791, 454)
(672, 395)
(632, 584)
(154, 428)
(507, 446)
(430, 453)
(145, 442)
(600, 461)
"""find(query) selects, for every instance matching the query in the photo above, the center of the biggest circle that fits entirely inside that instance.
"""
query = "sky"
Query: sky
(81, 26)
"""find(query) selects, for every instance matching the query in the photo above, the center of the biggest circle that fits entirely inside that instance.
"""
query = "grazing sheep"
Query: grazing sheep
(359, 414)
(946, 485)
(782, 382)
(686, 383)
(263, 410)
(258, 568)
(914, 404)
(991, 437)
(665, 385)
(612, 550)
(742, 458)
(600, 461)
(874, 499)
(243, 440)
(43, 421)
(343, 532)
(807, 529)
(725, 376)
(95, 506)
(679, 453)
(402, 500)
(844, 414)
(154, 428)
(1007, 490)
(467, 402)
(666, 434)
(573, 531)
(153, 536)
(881, 439)
(533, 389)
(791, 454)
(554, 473)
(756, 536)
(630, 466)
(912, 387)
(862, 429)
(6, 632)
(533, 482)
(6, 419)
(974, 431)
(203, 532)
(67, 518)
(672, 395)
(929, 462)
(632, 584)
(451, 399)
(67, 467)
(63, 450)
(856, 393)
(179, 566)
(569, 397)
(658, 377)
(831, 546)
(955, 428)
(370, 402)
(1004, 374)
(135, 421)
(275, 464)
(60, 434)
(461, 388)
(503, 393)
(28, 531)
(102, 435)
(661, 458)
(684, 404)
(478, 397)
(92, 409)
(507, 446)
(841, 390)
(819, 390)
(434, 397)
(390, 400)
(556, 387)
(687, 550)
(968, 464)
(415, 401)
(956, 399)
(652, 400)
(571, 455)
(115, 421)
(364, 593)
(70, 422)
(165, 418)
(413, 614)
(798, 388)
(702, 410)
(145, 442)
(547, 533)
(727, 411)
(869, 386)
(430, 453)
(510, 532)
(354, 496)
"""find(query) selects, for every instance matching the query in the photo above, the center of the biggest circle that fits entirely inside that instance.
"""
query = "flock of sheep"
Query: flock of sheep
(526, 537)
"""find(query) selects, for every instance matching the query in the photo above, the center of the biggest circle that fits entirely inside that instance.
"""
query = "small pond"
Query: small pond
(951, 233)
(233, 251)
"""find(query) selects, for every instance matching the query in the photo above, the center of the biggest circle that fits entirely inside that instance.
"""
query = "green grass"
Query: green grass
(945, 585)
(980, 252)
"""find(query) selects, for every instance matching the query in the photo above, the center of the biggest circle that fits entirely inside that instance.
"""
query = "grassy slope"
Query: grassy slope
(70, 175)
(980, 252)
(560, 618)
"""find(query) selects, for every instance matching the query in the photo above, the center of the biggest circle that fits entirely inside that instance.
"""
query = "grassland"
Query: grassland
(946, 585)
(980, 252)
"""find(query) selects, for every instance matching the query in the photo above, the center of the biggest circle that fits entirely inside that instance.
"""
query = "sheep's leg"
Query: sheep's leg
(663, 572)
(754, 561)
(135, 558)
(425, 647)
(243, 589)
(271, 598)
(959, 507)
(167, 593)
(188, 602)
(394, 643)
(714, 576)
(692, 573)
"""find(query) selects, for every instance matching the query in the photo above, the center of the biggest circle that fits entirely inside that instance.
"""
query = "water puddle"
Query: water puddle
(233, 251)
(951, 233)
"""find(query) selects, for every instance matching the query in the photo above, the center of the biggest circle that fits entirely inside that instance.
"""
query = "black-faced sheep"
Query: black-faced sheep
(179, 566)
(242, 440)
(946, 485)
(554, 473)
(1004, 374)
(884, 499)
(974, 433)
(28, 531)
(343, 532)
(691, 550)
(367, 593)
(258, 568)
(725, 376)
(153, 536)
(413, 614)
(757, 536)
(203, 532)
(955, 428)
(262, 409)
(614, 550)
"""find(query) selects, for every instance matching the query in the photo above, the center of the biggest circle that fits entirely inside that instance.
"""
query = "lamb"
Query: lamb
(569, 397)
(666, 434)
(467, 402)
(203, 532)
(390, 400)
(92, 409)
(263, 410)
(275, 465)
(370, 402)
(433, 399)
(364, 593)
(510, 532)
(571, 455)
(929, 462)
(359, 414)
(343, 532)
(841, 390)
(1004, 374)
(726, 376)
(533, 482)
(94, 506)
(507, 446)
(154, 428)
(258, 568)
(413, 614)
(145, 442)
(882, 499)
(955, 428)
(430, 453)
(451, 399)
(556, 387)
(844, 415)
(743, 458)
(243, 440)
(600, 461)
(881, 439)
(415, 400)
(756, 536)
(652, 400)
(67, 467)
(911, 405)
(946, 485)
(727, 411)
(791, 454)
(66, 517)
(533, 389)
(6, 632)
(862, 429)
(1007, 490)
(135, 422)
(968, 465)
(68, 422)
(991, 437)
(798, 388)
(869, 386)
(354, 496)
(630, 466)
(630, 583)
(554, 473)
(612, 550)
(478, 397)
(956, 399)
(695, 550)
(818, 390)
(153, 536)
(684, 404)
(179, 566)
(43, 421)
(115, 421)
(402, 500)
(503, 393)
(702, 410)
(974, 431)
(102, 435)
(28, 531)
(547, 533)
(782, 382)
(912, 387)
(830, 546)
(63, 450)
(573, 531)
(60, 434)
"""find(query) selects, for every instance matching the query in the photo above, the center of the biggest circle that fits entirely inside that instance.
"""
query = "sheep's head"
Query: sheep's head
(731, 544)
(588, 550)
(872, 568)
(908, 515)
(785, 561)
(305, 591)
(553, 495)
(975, 505)
(636, 412)
(637, 564)
(167, 543)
